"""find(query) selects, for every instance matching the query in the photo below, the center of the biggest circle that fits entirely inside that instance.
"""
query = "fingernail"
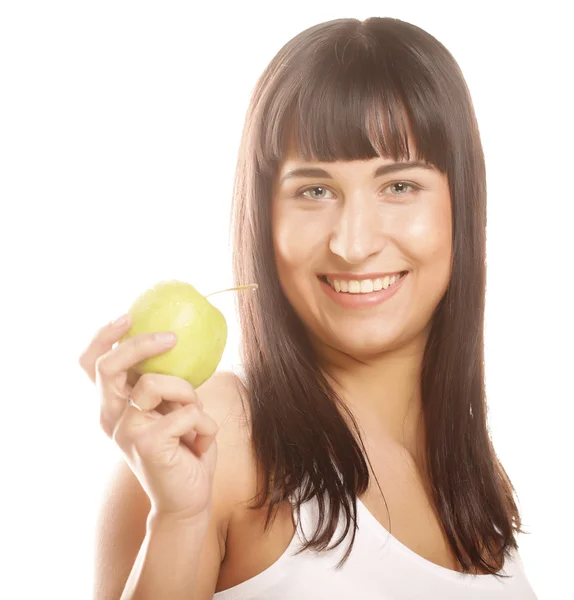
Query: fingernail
(121, 321)
(165, 338)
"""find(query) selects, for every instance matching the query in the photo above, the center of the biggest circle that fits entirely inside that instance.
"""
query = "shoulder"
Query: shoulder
(225, 399)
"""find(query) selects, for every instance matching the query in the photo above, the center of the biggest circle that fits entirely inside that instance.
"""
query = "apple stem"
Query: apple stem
(250, 286)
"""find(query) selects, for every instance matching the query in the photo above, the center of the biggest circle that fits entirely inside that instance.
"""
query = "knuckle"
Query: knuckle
(192, 410)
(186, 390)
(212, 425)
(140, 344)
(190, 389)
(147, 384)
(103, 366)
(194, 413)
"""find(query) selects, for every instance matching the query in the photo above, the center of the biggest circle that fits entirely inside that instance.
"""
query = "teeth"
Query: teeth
(354, 287)
(365, 286)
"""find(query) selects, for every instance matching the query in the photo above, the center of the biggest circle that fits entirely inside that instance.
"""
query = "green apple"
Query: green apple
(201, 331)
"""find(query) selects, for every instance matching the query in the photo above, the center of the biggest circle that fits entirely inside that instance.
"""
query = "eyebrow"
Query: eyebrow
(379, 172)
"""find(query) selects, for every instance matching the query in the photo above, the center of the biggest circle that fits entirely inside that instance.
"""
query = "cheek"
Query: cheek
(426, 236)
(297, 243)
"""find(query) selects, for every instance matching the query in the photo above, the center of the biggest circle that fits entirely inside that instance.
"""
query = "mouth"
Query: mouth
(363, 285)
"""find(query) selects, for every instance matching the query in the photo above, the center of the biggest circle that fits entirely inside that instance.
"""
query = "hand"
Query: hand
(156, 420)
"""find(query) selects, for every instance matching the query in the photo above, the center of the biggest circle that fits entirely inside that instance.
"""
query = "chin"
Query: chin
(366, 344)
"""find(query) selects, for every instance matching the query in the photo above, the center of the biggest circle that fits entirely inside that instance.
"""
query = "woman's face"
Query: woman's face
(341, 236)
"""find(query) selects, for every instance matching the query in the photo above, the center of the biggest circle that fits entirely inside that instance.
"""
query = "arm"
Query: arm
(140, 555)
(144, 556)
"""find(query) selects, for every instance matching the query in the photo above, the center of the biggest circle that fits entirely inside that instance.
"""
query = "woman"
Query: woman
(353, 455)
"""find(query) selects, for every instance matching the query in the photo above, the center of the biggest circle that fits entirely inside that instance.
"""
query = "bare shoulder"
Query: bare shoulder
(224, 398)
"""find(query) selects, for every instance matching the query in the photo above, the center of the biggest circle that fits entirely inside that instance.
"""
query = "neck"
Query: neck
(384, 395)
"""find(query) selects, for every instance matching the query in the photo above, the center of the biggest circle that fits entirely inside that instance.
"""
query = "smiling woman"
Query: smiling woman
(377, 297)
(353, 454)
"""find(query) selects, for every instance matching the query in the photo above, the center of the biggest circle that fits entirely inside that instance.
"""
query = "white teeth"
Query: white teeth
(354, 287)
(365, 286)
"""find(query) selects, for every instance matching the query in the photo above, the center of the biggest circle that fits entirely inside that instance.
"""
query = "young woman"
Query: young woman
(351, 458)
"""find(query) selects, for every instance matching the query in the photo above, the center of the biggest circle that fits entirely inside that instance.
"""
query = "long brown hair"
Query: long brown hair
(352, 90)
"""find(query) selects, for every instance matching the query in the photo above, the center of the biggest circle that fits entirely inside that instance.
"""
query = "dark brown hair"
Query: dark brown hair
(350, 90)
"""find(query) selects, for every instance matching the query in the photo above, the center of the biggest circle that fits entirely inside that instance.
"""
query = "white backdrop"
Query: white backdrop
(119, 127)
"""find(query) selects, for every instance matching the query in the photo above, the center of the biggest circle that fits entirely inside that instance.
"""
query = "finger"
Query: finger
(152, 389)
(186, 420)
(166, 407)
(130, 426)
(102, 343)
(133, 351)
(143, 432)
(152, 393)
(202, 443)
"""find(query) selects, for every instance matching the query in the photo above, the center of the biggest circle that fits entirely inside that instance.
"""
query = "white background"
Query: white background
(119, 127)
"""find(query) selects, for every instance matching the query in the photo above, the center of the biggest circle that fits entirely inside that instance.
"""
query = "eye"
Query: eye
(302, 193)
(403, 185)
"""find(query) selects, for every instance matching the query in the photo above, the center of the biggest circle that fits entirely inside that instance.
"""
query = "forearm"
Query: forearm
(168, 560)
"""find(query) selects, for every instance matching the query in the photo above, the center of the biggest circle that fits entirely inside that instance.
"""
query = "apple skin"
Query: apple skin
(201, 331)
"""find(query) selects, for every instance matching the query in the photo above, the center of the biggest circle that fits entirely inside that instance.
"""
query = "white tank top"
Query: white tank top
(379, 567)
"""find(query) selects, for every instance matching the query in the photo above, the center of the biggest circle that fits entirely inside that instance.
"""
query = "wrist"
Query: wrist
(197, 523)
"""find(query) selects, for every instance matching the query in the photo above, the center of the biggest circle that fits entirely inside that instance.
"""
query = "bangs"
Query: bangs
(353, 110)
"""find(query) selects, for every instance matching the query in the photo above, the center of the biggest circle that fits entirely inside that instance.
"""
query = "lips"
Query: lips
(353, 299)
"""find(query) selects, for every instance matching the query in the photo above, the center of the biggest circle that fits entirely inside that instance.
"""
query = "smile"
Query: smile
(363, 286)
(362, 293)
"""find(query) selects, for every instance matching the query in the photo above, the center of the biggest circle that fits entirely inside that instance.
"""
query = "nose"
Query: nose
(358, 232)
